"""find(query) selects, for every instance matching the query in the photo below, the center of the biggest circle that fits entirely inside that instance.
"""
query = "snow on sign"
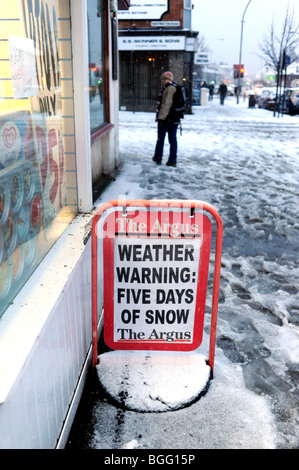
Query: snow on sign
(155, 279)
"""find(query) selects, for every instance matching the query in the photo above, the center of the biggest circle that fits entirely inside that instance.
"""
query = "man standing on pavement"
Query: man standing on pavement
(222, 92)
(167, 122)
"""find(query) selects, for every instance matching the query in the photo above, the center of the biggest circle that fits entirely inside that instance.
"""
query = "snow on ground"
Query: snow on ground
(153, 381)
(245, 162)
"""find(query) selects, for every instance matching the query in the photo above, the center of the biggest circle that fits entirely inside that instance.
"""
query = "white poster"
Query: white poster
(155, 286)
(23, 67)
(144, 10)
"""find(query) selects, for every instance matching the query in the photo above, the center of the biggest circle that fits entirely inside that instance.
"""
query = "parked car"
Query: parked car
(257, 90)
(267, 99)
(288, 102)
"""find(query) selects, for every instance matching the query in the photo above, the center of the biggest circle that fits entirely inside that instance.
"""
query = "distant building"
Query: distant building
(292, 79)
(216, 73)
(154, 37)
(267, 76)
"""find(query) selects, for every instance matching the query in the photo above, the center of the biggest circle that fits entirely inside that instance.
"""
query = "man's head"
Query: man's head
(167, 77)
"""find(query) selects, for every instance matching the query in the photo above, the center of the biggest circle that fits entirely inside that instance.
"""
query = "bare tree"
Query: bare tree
(202, 45)
(277, 48)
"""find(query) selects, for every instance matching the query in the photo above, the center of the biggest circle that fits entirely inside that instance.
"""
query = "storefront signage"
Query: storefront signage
(155, 280)
(165, 24)
(134, 43)
(191, 44)
(144, 10)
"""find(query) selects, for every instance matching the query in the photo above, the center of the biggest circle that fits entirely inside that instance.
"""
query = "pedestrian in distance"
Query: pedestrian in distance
(211, 91)
(167, 121)
(222, 92)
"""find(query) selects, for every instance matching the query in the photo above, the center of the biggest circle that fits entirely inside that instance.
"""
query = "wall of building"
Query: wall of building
(45, 361)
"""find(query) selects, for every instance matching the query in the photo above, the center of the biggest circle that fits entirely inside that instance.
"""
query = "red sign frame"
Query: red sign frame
(150, 206)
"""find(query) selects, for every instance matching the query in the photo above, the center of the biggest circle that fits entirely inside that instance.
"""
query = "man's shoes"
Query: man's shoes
(156, 161)
(159, 162)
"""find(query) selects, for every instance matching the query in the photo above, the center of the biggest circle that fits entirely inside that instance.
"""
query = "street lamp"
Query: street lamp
(210, 56)
(240, 55)
(217, 39)
(213, 40)
(261, 65)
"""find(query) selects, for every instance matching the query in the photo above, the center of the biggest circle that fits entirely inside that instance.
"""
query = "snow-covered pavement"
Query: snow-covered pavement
(245, 162)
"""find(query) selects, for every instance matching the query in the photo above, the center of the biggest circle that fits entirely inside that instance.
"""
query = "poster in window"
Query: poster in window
(23, 68)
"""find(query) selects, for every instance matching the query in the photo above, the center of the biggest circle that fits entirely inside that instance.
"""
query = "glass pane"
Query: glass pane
(95, 59)
(38, 194)
(187, 19)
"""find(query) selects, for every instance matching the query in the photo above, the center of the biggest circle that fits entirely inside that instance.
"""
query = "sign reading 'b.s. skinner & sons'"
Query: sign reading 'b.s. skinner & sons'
(155, 280)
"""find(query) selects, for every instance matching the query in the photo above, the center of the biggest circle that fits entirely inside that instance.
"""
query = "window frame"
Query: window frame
(103, 128)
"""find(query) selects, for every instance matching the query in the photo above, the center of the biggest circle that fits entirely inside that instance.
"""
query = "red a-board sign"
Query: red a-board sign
(155, 279)
(155, 256)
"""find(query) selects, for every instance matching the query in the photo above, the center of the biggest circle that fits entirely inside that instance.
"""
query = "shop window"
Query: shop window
(97, 85)
(38, 194)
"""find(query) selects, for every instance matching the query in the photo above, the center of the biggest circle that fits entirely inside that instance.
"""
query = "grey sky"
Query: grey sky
(216, 19)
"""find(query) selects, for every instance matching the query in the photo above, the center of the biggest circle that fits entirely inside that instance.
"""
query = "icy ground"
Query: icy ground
(153, 381)
(245, 162)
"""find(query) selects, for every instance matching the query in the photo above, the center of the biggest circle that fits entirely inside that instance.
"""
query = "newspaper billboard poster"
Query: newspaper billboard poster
(155, 279)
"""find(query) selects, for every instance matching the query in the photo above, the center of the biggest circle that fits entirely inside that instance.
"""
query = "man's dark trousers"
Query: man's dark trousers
(171, 129)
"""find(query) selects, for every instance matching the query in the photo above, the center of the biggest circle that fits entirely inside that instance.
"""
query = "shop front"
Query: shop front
(58, 136)
(38, 194)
